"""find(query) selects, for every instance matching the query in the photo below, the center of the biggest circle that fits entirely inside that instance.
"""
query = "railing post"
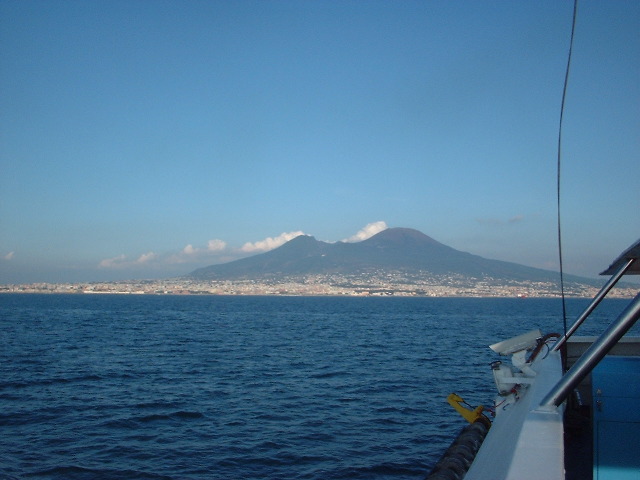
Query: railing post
(593, 355)
(595, 302)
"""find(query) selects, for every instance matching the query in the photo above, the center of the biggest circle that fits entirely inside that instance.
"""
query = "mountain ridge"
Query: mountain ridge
(393, 250)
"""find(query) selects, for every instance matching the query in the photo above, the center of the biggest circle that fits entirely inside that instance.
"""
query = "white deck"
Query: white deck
(525, 442)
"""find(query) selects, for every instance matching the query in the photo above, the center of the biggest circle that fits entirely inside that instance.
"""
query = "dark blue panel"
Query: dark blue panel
(616, 419)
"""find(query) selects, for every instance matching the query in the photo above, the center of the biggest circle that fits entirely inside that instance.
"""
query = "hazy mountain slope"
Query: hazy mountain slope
(394, 249)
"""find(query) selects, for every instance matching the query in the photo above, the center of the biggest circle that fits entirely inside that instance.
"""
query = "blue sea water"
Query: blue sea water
(206, 387)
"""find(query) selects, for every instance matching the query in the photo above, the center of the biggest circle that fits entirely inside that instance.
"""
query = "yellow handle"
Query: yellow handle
(470, 416)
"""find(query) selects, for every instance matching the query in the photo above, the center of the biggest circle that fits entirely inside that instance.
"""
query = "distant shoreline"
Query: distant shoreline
(122, 294)
(257, 289)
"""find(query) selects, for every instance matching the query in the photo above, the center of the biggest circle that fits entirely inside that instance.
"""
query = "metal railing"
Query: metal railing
(593, 355)
(595, 302)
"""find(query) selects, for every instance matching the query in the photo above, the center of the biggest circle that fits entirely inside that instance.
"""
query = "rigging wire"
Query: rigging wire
(559, 163)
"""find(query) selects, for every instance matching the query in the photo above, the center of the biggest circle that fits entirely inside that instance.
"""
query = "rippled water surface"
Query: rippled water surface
(127, 387)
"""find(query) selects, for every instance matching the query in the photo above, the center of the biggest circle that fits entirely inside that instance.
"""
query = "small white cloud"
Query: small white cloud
(213, 246)
(146, 257)
(191, 254)
(367, 232)
(270, 243)
(216, 245)
(113, 262)
(9, 255)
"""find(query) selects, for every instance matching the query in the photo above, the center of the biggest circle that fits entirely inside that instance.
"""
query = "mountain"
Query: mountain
(395, 249)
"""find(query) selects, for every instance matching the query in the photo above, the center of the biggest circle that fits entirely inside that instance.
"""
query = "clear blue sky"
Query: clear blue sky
(143, 139)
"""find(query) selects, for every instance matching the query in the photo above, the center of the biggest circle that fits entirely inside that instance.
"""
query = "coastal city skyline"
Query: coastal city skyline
(144, 140)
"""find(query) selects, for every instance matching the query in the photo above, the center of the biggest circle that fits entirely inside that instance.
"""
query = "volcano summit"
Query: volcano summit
(395, 250)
